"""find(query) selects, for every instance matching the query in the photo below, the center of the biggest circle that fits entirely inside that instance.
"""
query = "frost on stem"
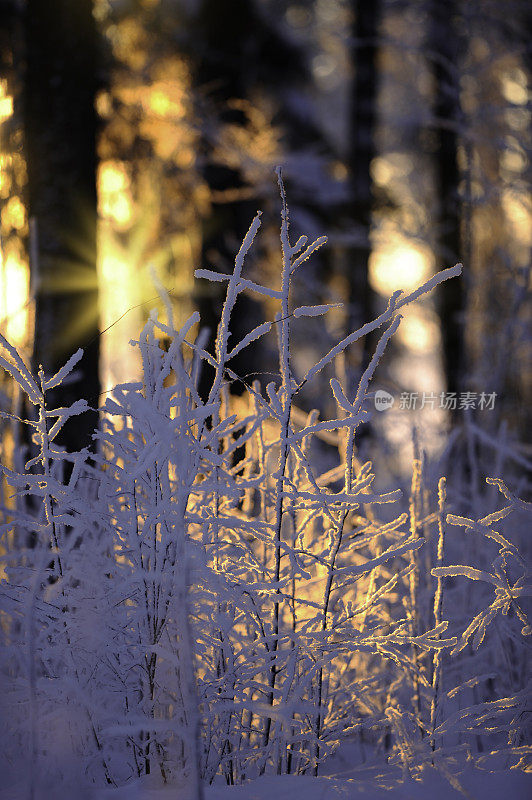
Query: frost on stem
(205, 596)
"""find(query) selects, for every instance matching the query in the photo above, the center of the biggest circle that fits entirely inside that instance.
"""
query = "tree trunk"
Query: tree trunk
(367, 17)
(60, 122)
(443, 53)
(241, 55)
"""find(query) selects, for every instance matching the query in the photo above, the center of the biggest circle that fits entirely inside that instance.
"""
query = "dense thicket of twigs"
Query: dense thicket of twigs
(198, 596)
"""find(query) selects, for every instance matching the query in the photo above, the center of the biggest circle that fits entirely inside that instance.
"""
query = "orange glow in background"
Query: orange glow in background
(134, 237)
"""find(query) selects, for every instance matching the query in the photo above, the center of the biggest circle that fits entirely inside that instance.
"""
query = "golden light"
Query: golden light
(391, 170)
(115, 275)
(6, 102)
(382, 171)
(6, 108)
(513, 86)
(14, 214)
(399, 264)
(160, 102)
(513, 157)
(418, 331)
(519, 216)
(119, 292)
(165, 99)
(14, 271)
(14, 295)
(113, 177)
(5, 182)
(115, 202)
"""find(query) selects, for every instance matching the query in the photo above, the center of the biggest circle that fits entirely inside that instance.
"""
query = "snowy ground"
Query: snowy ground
(478, 785)
(365, 784)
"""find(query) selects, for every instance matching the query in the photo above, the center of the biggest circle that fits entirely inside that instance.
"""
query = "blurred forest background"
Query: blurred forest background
(142, 135)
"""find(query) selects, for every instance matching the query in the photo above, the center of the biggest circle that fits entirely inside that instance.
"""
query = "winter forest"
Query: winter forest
(265, 399)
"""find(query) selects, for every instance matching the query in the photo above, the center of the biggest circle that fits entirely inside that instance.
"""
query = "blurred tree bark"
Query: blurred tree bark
(443, 49)
(363, 123)
(242, 56)
(223, 74)
(60, 130)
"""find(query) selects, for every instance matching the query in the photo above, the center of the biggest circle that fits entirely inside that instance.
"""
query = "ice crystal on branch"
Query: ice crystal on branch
(200, 596)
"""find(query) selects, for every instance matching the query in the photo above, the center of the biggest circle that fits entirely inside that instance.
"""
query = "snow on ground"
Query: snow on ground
(477, 785)
(366, 784)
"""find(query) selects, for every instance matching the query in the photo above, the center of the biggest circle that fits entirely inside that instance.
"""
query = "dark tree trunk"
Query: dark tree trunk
(239, 54)
(224, 72)
(60, 126)
(443, 53)
(367, 17)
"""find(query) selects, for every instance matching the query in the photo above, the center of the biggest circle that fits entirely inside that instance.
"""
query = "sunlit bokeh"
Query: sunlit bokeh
(514, 86)
(14, 299)
(116, 203)
(14, 272)
(419, 330)
(6, 102)
(397, 263)
(518, 213)
(118, 297)
(14, 214)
